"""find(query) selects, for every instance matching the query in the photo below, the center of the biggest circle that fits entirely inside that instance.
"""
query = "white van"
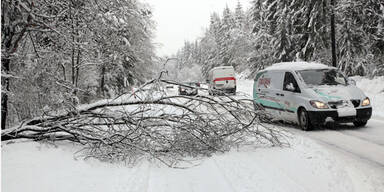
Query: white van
(310, 94)
(222, 79)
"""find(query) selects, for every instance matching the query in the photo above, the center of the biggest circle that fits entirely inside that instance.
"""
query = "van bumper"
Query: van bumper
(226, 90)
(322, 117)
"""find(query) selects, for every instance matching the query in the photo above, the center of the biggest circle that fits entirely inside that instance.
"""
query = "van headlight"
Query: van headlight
(366, 102)
(319, 105)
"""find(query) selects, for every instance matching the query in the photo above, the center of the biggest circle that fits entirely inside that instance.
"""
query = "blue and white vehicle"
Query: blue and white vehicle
(311, 95)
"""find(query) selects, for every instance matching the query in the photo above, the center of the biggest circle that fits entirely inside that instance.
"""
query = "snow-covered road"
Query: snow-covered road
(365, 143)
(302, 167)
(360, 149)
(342, 159)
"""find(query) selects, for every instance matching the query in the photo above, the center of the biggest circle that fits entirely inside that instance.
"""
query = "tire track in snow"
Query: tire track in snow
(372, 133)
(353, 133)
(125, 184)
(138, 180)
(362, 149)
(220, 170)
(365, 143)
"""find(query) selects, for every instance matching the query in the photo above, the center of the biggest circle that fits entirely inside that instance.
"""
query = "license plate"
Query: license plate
(346, 111)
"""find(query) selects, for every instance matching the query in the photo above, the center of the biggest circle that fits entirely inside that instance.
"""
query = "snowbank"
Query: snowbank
(374, 89)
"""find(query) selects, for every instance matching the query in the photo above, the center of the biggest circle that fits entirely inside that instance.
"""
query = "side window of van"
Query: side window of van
(290, 83)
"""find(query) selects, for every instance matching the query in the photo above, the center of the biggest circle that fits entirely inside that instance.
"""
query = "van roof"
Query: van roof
(223, 67)
(296, 66)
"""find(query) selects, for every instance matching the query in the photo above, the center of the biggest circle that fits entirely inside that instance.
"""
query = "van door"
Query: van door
(267, 86)
(290, 97)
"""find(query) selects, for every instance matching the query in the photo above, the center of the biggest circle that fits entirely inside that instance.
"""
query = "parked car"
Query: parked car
(311, 95)
(190, 88)
(222, 79)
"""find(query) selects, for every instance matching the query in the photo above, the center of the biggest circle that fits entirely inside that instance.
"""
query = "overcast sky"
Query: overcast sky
(180, 20)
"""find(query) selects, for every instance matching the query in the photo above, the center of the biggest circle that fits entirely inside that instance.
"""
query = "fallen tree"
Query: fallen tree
(151, 122)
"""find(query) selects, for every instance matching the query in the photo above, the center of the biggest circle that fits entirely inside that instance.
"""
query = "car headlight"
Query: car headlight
(319, 105)
(366, 102)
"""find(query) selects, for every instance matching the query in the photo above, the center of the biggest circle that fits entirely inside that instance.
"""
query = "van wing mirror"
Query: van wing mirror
(290, 87)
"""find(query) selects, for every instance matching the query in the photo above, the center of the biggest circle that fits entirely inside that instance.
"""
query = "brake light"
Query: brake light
(224, 79)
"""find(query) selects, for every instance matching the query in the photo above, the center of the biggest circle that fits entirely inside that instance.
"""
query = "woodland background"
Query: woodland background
(58, 54)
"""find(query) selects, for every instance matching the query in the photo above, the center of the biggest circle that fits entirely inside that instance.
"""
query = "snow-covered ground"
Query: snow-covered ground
(346, 159)
(305, 166)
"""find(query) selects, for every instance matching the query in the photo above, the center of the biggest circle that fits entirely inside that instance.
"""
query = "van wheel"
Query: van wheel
(360, 123)
(304, 121)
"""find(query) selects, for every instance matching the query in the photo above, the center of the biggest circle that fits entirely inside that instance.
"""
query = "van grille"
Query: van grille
(355, 102)
(336, 104)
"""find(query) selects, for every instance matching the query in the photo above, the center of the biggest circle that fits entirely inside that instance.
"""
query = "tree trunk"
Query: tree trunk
(5, 62)
(4, 94)
(333, 34)
(102, 81)
(77, 66)
(10, 40)
(73, 68)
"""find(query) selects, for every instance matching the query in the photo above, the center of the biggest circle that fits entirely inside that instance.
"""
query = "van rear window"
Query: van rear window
(219, 73)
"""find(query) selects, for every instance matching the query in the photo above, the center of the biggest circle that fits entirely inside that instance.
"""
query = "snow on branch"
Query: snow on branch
(152, 123)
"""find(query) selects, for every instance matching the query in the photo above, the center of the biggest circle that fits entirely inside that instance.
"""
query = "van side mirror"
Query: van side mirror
(351, 81)
(290, 87)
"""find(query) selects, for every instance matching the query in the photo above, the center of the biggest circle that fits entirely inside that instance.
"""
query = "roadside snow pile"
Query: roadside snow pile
(374, 89)
(243, 75)
(305, 166)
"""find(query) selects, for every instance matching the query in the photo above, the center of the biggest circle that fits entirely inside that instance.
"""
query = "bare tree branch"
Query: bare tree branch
(165, 127)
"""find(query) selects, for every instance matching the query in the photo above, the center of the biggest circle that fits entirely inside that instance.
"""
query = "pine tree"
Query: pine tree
(239, 16)
(225, 39)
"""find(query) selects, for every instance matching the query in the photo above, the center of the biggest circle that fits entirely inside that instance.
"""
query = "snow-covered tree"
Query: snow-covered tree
(62, 52)
(361, 40)
(290, 30)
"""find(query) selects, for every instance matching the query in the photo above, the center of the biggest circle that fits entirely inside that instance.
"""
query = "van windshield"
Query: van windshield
(317, 77)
